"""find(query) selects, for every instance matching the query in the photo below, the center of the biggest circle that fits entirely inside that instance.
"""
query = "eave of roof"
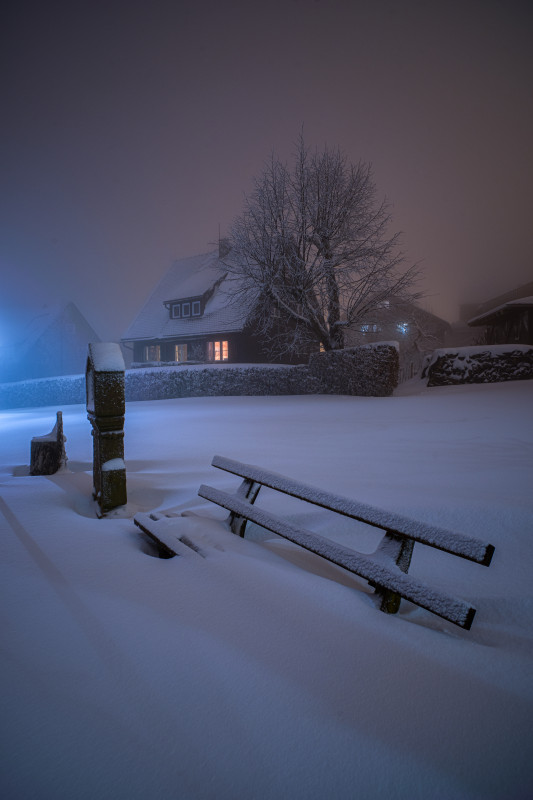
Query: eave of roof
(498, 313)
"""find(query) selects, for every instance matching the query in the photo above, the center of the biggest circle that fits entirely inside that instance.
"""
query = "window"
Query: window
(180, 352)
(185, 308)
(217, 351)
(152, 352)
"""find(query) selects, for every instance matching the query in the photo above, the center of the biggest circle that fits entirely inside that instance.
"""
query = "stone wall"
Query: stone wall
(479, 364)
(370, 370)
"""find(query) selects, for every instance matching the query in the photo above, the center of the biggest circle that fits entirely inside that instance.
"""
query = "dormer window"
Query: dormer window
(185, 309)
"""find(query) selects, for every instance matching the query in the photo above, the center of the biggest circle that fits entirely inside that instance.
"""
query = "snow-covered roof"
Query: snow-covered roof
(522, 302)
(189, 277)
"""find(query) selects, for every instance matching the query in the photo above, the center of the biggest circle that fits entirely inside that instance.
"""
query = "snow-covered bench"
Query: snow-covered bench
(386, 569)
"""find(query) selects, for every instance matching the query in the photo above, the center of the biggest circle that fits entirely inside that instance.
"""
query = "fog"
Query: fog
(131, 133)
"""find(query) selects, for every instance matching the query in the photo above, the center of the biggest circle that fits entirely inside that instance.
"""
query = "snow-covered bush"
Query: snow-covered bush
(158, 383)
(62, 390)
(480, 364)
(370, 370)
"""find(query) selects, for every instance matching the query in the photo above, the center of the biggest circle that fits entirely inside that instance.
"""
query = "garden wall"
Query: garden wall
(479, 364)
(370, 370)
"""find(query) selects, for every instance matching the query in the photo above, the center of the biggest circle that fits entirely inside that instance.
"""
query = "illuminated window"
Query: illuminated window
(217, 351)
(180, 352)
(196, 308)
(403, 327)
(152, 352)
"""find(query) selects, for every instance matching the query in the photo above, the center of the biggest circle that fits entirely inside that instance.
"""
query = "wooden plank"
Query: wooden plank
(158, 528)
(456, 611)
(440, 538)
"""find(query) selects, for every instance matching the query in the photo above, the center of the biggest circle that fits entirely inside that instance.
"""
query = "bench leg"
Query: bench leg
(400, 550)
(248, 490)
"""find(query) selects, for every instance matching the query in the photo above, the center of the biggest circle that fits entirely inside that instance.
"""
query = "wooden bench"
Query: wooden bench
(385, 570)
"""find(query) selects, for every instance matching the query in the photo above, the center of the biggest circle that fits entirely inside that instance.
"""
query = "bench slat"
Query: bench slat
(440, 538)
(456, 611)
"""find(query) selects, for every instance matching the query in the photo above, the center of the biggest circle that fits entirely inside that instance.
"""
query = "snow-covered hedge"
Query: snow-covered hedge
(370, 370)
(479, 364)
(158, 383)
(62, 390)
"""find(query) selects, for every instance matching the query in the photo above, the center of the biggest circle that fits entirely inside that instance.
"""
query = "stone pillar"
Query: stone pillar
(104, 378)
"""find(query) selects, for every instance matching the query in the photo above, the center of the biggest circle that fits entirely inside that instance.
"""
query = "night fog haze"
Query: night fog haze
(131, 133)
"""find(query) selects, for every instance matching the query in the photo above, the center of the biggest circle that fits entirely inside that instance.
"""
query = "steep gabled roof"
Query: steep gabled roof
(49, 318)
(197, 276)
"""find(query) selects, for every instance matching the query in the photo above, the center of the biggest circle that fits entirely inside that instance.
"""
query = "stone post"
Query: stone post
(104, 379)
(48, 452)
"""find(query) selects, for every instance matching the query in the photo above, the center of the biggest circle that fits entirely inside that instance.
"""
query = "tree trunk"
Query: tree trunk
(336, 334)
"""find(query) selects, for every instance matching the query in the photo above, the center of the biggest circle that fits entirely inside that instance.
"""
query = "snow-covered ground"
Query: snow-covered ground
(252, 669)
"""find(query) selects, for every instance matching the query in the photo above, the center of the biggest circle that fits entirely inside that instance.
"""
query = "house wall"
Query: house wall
(515, 327)
(243, 348)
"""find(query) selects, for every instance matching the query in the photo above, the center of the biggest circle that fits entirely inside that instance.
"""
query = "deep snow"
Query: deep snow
(250, 669)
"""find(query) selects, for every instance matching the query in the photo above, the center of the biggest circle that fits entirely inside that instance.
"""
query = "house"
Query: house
(417, 331)
(508, 318)
(191, 317)
(53, 343)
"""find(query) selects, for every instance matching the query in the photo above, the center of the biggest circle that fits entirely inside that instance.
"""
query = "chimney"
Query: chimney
(224, 247)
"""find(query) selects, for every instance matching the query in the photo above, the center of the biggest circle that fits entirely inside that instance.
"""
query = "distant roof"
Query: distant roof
(189, 277)
(51, 315)
(499, 303)
(496, 313)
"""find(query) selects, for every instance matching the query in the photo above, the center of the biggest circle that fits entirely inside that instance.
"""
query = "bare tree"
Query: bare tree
(312, 251)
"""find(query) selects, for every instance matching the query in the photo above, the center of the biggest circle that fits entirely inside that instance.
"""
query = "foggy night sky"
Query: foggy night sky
(131, 130)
